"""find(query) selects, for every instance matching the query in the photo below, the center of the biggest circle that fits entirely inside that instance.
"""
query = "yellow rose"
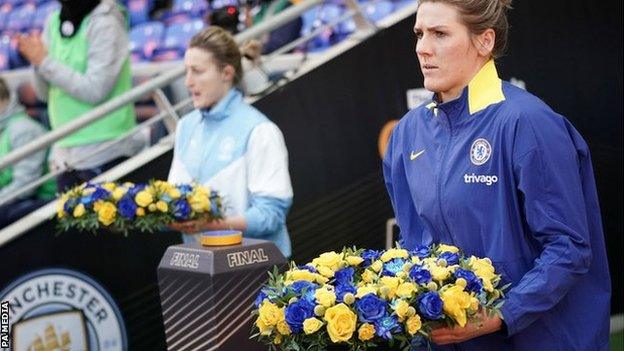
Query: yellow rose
(119, 192)
(199, 203)
(152, 207)
(325, 297)
(140, 212)
(483, 269)
(456, 301)
(366, 332)
(391, 284)
(107, 213)
(79, 211)
(97, 205)
(401, 308)
(377, 266)
(340, 323)
(326, 272)
(283, 327)
(60, 205)
(406, 290)
(269, 314)
(368, 289)
(300, 274)
(264, 329)
(143, 198)
(439, 273)
(109, 186)
(368, 276)
(416, 260)
(413, 324)
(278, 339)
(174, 193)
(162, 206)
(394, 253)
(447, 248)
(311, 325)
(354, 260)
(331, 260)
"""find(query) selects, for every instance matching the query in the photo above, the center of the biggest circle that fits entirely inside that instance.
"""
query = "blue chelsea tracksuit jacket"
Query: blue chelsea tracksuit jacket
(499, 174)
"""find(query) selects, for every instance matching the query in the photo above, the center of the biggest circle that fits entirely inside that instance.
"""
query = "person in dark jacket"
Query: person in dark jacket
(490, 168)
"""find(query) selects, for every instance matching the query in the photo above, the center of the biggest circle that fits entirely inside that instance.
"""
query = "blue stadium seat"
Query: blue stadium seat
(377, 9)
(42, 14)
(317, 17)
(21, 18)
(5, 9)
(176, 40)
(145, 39)
(4, 53)
(138, 11)
(194, 8)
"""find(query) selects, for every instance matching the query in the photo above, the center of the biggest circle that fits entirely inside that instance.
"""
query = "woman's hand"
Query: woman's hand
(32, 48)
(196, 226)
(480, 326)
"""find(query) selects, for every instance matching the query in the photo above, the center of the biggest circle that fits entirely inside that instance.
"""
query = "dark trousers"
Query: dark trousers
(72, 178)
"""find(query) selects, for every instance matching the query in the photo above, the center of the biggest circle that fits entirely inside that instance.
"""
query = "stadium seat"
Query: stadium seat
(4, 53)
(42, 14)
(377, 9)
(21, 18)
(176, 40)
(138, 11)
(145, 39)
(5, 9)
(194, 8)
(317, 17)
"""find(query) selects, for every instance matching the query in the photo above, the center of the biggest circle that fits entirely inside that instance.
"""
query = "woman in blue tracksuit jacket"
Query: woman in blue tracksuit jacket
(492, 169)
(230, 146)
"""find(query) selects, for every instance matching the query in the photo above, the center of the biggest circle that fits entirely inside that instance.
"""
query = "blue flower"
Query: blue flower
(261, 297)
(473, 283)
(370, 308)
(393, 267)
(300, 285)
(421, 251)
(308, 268)
(136, 189)
(450, 258)
(100, 194)
(181, 209)
(184, 189)
(420, 274)
(369, 257)
(69, 205)
(127, 207)
(344, 276)
(342, 290)
(430, 305)
(214, 209)
(386, 326)
(298, 312)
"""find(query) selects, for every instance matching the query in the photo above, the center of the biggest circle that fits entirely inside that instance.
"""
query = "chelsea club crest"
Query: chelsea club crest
(480, 151)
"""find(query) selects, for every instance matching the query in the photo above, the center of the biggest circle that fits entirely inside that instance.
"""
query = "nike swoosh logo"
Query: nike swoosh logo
(414, 155)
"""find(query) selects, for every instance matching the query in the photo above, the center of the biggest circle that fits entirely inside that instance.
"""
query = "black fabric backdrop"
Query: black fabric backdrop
(567, 53)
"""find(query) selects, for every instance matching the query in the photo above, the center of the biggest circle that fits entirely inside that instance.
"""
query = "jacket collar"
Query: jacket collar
(483, 90)
(222, 108)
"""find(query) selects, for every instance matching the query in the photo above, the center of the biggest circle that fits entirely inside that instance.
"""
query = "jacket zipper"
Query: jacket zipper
(439, 185)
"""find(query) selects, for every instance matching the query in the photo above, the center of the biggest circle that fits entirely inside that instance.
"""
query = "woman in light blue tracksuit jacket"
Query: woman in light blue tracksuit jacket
(230, 146)
(492, 169)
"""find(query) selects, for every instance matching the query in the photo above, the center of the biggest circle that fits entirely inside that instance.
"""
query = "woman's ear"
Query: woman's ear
(227, 73)
(484, 42)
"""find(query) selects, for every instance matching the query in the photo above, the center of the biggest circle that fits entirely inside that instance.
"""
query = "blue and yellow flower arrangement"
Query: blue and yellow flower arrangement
(125, 207)
(364, 299)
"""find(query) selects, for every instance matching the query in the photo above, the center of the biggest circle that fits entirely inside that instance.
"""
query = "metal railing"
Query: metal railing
(154, 87)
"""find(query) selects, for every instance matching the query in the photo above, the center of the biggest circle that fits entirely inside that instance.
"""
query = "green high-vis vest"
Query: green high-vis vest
(46, 190)
(63, 108)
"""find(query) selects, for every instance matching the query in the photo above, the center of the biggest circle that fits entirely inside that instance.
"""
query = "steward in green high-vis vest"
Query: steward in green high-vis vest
(63, 107)
(47, 190)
